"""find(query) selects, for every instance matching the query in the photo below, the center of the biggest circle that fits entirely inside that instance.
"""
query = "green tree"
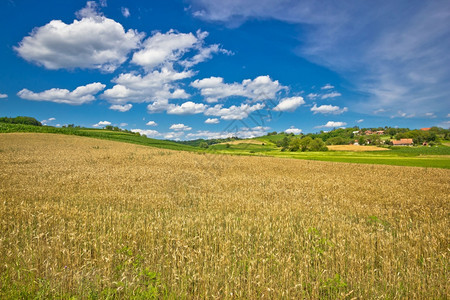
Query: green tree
(203, 145)
(304, 143)
(317, 145)
(362, 140)
(295, 144)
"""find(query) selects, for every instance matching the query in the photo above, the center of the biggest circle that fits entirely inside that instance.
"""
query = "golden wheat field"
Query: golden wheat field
(355, 148)
(88, 218)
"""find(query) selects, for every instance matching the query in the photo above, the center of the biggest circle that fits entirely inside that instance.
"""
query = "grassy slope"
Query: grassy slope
(99, 134)
(434, 157)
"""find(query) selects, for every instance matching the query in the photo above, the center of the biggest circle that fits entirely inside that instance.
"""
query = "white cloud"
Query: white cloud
(204, 54)
(122, 108)
(293, 130)
(205, 134)
(430, 115)
(174, 135)
(330, 95)
(233, 112)
(125, 12)
(187, 108)
(241, 133)
(123, 124)
(212, 121)
(332, 124)
(147, 132)
(3, 96)
(289, 104)
(102, 124)
(327, 87)
(91, 10)
(180, 127)
(155, 86)
(80, 95)
(328, 109)
(360, 121)
(448, 115)
(260, 88)
(163, 48)
(312, 96)
(94, 42)
(49, 120)
(402, 114)
(151, 123)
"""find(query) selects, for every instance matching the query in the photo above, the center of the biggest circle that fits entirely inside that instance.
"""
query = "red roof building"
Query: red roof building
(425, 129)
(403, 142)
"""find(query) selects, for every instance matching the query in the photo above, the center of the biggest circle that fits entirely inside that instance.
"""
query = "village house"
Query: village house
(380, 132)
(403, 142)
(425, 129)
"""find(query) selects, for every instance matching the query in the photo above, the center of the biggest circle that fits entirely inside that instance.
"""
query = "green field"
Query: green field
(431, 157)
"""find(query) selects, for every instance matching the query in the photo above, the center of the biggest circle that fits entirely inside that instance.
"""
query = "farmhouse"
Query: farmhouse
(425, 129)
(380, 132)
(403, 142)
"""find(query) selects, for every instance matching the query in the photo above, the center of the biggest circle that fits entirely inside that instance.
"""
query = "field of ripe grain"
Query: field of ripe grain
(355, 148)
(100, 219)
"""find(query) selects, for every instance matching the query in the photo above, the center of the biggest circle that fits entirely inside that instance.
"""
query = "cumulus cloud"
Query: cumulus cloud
(158, 85)
(147, 132)
(360, 121)
(125, 12)
(212, 121)
(327, 87)
(331, 95)
(102, 124)
(332, 124)
(260, 88)
(80, 95)
(166, 49)
(180, 127)
(402, 114)
(94, 42)
(122, 108)
(151, 123)
(289, 104)
(187, 108)
(328, 109)
(3, 96)
(293, 130)
(233, 112)
(204, 54)
(46, 122)
(163, 48)
(312, 96)
(176, 135)
(241, 133)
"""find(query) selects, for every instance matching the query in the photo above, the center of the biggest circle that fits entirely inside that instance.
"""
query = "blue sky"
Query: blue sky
(206, 68)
